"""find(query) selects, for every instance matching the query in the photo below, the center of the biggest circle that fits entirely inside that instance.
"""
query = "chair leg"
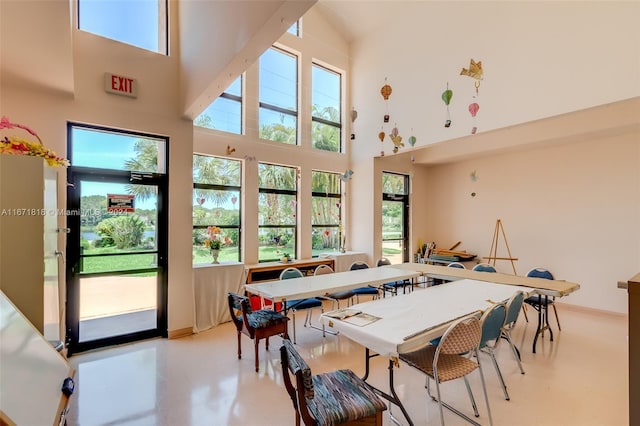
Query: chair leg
(484, 388)
(524, 309)
(293, 311)
(495, 364)
(513, 348)
(471, 398)
(255, 346)
(239, 346)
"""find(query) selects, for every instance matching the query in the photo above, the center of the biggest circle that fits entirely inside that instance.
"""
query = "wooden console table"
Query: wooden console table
(270, 271)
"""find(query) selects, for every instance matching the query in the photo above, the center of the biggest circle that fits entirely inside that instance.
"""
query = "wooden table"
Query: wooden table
(269, 271)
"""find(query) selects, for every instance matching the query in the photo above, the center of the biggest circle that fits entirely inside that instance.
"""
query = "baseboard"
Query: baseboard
(182, 332)
(589, 310)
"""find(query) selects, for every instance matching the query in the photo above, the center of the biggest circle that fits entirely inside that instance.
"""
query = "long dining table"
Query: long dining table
(544, 288)
(322, 285)
(406, 322)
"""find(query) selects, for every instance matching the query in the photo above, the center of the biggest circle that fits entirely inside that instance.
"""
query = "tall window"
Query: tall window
(278, 115)
(326, 220)
(295, 29)
(277, 211)
(395, 217)
(140, 23)
(217, 184)
(325, 109)
(225, 113)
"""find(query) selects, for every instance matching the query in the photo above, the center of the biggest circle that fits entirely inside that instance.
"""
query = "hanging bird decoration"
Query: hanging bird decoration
(446, 97)
(396, 139)
(473, 109)
(346, 176)
(475, 72)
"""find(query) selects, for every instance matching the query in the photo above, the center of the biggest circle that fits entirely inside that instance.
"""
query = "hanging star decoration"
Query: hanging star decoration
(475, 72)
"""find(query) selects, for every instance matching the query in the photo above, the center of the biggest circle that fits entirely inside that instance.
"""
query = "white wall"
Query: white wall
(540, 60)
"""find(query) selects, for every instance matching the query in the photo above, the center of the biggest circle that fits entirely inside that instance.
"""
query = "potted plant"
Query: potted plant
(286, 257)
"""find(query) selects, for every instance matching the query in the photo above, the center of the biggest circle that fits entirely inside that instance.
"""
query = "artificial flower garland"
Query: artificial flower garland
(19, 146)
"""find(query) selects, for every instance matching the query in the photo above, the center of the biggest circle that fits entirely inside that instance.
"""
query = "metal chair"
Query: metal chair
(301, 304)
(452, 359)
(373, 291)
(392, 287)
(257, 325)
(338, 295)
(484, 267)
(492, 321)
(514, 305)
(336, 397)
(542, 302)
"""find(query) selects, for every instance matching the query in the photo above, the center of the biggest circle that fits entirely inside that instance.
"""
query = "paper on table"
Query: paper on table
(342, 314)
(361, 319)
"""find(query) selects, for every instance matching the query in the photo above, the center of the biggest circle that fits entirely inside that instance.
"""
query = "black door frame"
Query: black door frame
(77, 174)
(404, 198)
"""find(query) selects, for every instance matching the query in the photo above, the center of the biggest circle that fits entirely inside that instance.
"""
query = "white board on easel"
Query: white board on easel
(32, 372)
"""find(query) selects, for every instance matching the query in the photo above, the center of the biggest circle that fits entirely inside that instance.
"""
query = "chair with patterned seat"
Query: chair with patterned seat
(372, 291)
(257, 325)
(455, 356)
(336, 397)
(301, 304)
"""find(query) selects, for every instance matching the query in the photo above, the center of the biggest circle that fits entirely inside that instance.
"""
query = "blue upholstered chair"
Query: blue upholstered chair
(332, 398)
(260, 324)
(392, 287)
(540, 302)
(338, 295)
(363, 290)
(514, 305)
(456, 265)
(300, 304)
(492, 322)
(484, 267)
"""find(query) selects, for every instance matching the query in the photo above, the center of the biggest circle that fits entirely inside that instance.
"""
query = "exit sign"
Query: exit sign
(120, 85)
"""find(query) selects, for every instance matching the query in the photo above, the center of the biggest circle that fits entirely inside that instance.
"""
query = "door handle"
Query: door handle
(60, 254)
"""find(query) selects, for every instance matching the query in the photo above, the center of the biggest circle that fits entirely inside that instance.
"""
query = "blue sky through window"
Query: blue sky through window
(135, 22)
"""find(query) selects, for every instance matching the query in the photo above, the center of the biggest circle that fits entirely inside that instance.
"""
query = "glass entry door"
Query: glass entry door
(117, 257)
(395, 217)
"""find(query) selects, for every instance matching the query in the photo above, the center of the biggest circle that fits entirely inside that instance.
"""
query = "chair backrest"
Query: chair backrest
(383, 261)
(239, 307)
(540, 273)
(492, 321)
(484, 267)
(513, 308)
(291, 273)
(456, 265)
(358, 265)
(323, 269)
(461, 337)
(293, 364)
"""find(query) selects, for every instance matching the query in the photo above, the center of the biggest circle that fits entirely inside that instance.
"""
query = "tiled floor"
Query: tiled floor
(579, 379)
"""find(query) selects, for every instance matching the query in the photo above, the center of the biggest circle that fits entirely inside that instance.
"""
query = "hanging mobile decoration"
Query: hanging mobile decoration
(396, 139)
(475, 72)
(412, 139)
(385, 91)
(381, 136)
(446, 97)
(473, 109)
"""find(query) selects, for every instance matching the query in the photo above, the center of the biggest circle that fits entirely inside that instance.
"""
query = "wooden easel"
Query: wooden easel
(493, 252)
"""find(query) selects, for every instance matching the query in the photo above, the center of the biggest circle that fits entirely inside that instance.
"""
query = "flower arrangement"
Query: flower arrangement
(215, 240)
(19, 146)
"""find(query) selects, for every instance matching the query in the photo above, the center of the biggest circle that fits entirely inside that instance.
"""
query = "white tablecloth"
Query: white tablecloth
(211, 283)
(342, 261)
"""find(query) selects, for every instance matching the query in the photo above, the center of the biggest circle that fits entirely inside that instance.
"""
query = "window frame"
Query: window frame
(295, 194)
(222, 187)
(233, 98)
(338, 196)
(324, 121)
(278, 109)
